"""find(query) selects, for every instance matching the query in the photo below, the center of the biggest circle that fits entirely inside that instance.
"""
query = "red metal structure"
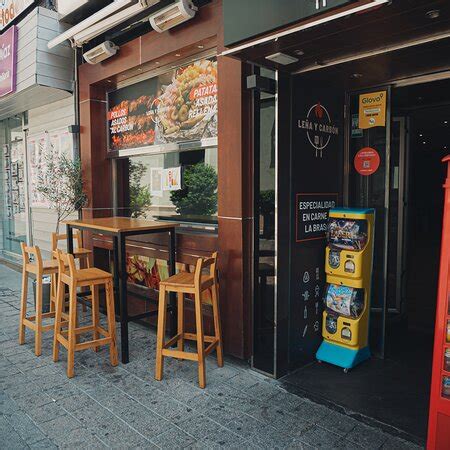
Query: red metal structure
(439, 418)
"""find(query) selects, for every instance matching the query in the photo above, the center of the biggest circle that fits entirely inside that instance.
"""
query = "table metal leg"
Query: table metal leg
(122, 259)
(172, 296)
(69, 238)
(116, 275)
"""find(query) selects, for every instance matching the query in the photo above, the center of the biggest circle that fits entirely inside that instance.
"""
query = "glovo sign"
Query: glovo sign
(372, 110)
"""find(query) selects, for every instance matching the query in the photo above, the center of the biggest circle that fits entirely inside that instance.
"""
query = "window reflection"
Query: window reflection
(176, 186)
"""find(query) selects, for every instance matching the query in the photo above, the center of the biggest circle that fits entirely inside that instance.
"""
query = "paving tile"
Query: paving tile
(166, 406)
(78, 438)
(33, 400)
(58, 428)
(290, 424)
(268, 414)
(394, 443)
(233, 397)
(199, 426)
(247, 426)
(319, 438)
(366, 436)
(287, 400)
(8, 434)
(338, 423)
(276, 440)
(223, 437)
(121, 436)
(61, 391)
(25, 427)
(8, 406)
(46, 412)
(222, 413)
(45, 444)
(174, 438)
(310, 411)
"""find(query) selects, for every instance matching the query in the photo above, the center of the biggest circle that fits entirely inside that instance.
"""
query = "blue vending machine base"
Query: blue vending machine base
(341, 356)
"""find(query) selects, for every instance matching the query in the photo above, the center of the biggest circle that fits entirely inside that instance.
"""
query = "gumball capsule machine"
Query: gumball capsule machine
(348, 266)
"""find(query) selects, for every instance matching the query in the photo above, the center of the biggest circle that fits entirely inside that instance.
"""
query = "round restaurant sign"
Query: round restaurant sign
(367, 161)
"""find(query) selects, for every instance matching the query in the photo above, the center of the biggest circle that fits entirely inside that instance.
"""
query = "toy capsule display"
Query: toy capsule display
(348, 265)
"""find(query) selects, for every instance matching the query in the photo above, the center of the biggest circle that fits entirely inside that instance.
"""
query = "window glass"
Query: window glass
(175, 186)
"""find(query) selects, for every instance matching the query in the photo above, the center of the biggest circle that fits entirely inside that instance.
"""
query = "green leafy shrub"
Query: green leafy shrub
(140, 197)
(199, 193)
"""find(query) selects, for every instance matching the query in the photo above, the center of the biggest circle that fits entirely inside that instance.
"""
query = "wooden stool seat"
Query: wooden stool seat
(49, 267)
(33, 263)
(74, 278)
(190, 283)
(79, 253)
(185, 282)
(86, 277)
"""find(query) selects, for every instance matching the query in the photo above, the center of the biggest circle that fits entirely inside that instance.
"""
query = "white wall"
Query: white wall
(65, 7)
(50, 117)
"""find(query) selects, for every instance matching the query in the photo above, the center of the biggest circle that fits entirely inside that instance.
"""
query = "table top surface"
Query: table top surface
(121, 224)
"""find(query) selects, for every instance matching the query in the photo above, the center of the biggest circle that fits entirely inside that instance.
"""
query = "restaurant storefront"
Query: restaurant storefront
(276, 126)
(349, 112)
(161, 139)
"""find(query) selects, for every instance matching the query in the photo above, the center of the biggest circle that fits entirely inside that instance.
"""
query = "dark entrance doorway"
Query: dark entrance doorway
(393, 387)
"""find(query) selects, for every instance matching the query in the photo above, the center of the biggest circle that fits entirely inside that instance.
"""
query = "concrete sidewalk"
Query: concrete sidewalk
(124, 407)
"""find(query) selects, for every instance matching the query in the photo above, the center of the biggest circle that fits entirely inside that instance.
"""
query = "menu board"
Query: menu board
(177, 106)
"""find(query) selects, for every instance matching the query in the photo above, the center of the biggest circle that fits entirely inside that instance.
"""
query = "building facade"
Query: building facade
(36, 109)
(231, 126)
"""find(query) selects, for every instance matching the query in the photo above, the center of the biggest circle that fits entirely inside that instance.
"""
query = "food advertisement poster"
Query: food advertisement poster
(372, 110)
(8, 53)
(178, 106)
(10, 9)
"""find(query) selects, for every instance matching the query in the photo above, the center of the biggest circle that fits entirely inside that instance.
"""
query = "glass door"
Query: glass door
(13, 212)
(264, 310)
(368, 186)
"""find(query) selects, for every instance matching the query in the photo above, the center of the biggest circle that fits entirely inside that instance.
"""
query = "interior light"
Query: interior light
(445, 122)
(420, 135)
(424, 142)
(200, 46)
(177, 54)
(356, 75)
(433, 14)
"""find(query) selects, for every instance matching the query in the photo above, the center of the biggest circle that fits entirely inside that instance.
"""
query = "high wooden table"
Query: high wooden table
(120, 228)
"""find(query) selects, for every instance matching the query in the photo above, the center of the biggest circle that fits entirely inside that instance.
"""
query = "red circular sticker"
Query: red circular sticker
(367, 161)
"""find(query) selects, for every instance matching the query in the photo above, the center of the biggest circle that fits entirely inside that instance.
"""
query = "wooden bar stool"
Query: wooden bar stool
(79, 253)
(190, 283)
(75, 278)
(32, 263)
(83, 254)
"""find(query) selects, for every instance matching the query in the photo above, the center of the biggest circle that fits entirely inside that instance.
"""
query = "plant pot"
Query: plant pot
(46, 284)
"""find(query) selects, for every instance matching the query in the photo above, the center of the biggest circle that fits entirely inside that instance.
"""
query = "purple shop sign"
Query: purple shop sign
(8, 60)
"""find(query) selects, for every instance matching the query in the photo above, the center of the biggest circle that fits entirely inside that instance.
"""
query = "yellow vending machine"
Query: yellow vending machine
(348, 267)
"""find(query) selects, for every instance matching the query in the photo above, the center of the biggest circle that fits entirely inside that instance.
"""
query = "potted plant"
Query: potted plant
(60, 183)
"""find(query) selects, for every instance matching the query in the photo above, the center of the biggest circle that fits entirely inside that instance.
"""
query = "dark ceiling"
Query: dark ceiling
(400, 21)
